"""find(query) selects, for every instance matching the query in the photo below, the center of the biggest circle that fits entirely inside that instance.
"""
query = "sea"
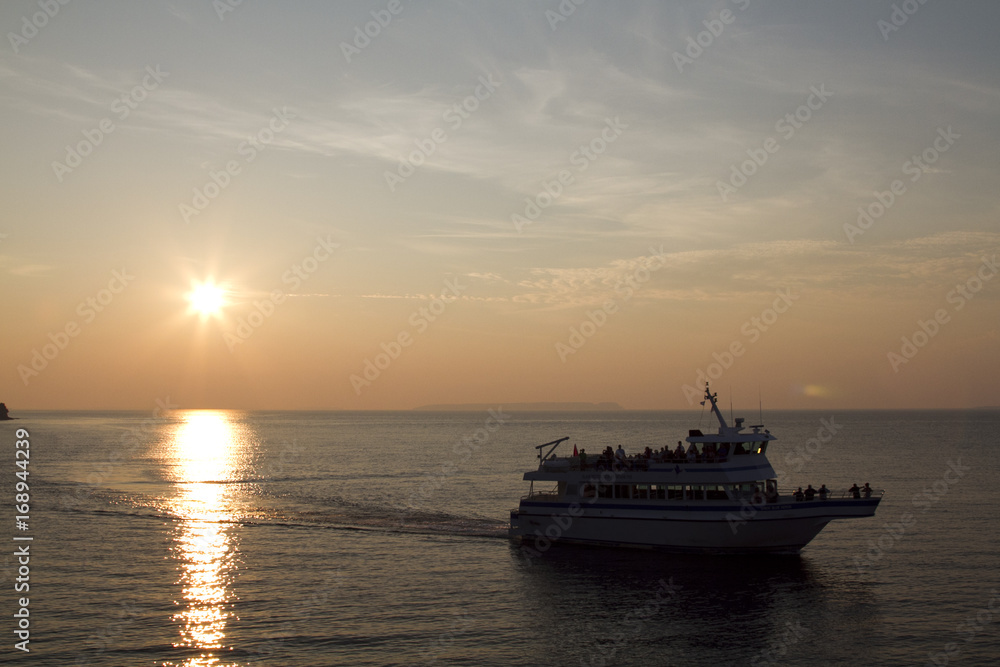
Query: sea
(217, 537)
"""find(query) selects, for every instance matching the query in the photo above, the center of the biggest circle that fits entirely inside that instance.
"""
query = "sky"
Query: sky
(406, 203)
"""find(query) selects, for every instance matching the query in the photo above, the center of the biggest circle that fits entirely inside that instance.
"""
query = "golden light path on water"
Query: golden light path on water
(207, 450)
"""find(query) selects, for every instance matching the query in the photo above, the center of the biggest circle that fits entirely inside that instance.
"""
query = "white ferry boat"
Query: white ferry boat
(718, 495)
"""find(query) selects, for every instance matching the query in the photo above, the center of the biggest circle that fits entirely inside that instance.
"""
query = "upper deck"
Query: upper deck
(730, 455)
(745, 467)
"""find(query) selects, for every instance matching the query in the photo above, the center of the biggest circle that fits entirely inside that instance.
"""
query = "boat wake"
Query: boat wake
(331, 514)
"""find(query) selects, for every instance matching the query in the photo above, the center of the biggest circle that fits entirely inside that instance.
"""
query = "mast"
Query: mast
(709, 396)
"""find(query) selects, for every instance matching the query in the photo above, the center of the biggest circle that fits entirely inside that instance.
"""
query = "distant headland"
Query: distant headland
(521, 407)
(4, 415)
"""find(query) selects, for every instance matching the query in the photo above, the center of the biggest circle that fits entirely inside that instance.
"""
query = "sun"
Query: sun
(207, 299)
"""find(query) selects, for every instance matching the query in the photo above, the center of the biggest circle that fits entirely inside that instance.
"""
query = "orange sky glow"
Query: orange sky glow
(284, 207)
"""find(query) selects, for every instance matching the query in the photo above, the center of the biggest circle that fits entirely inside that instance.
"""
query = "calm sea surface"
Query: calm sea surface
(235, 538)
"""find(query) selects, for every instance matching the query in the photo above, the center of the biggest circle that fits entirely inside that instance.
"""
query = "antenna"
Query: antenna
(760, 405)
(731, 417)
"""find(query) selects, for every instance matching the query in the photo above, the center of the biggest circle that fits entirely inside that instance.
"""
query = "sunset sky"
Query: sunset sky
(406, 203)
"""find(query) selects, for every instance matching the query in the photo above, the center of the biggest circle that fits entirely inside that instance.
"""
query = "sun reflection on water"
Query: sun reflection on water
(207, 452)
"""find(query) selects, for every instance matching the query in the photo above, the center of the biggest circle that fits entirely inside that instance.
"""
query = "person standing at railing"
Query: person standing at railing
(823, 492)
(772, 492)
(867, 490)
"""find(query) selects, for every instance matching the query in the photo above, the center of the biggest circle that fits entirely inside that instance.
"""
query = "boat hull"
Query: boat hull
(696, 527)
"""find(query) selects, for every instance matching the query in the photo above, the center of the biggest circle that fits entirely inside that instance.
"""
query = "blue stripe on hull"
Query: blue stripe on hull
(788, 549)
(722, 520)
(700, 508)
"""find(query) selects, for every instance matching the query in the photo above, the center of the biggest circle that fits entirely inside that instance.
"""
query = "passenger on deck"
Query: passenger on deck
(771, 493)
(583, 459)
(798, 494)
(823, 492)
(866, 491)
(620, 453)
(692, 454)
(854, 491)
(679, 452)
(810, 492)
(723, 452)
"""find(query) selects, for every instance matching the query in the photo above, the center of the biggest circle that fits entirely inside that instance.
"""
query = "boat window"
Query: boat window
(675, 492)
(640, 491)
(604, 491)
(621, 490)
(657, 492)
(715, 492)
(694, 492)
(588, 490)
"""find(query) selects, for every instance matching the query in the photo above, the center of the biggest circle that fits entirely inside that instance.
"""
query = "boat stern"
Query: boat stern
(515, 532)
